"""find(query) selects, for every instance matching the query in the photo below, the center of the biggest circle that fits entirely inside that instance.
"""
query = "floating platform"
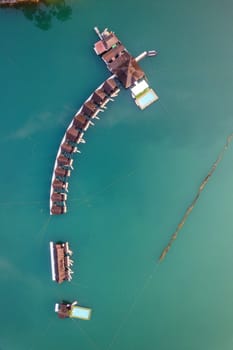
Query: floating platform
(68, 310)
(143, 94)
(146, 99)
(126, 73)
(60, 256)
(125, 67)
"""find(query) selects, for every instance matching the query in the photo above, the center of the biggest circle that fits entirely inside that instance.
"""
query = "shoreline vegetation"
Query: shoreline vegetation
(41, 12)
(17, 2)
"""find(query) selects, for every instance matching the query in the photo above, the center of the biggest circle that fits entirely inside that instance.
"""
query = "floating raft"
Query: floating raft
(60, 255)
(68, 310)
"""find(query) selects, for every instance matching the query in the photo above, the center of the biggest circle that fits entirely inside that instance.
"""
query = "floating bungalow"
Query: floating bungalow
(60, 255)
(72, 310)
(74, 135)
(81, 122)
(63, 161)
(59, 185)
(62, 172)
(125, 72)
(68, 148)
(59, 197)
(100, 98)
(111, 87)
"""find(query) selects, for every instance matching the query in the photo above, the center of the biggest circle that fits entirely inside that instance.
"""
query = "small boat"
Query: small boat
(152, 53)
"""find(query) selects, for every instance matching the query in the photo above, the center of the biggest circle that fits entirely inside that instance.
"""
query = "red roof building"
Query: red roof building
(62, 172)
(62, 160)
(81, 122)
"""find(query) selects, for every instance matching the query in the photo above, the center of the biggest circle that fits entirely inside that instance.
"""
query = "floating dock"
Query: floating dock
(125, 73)
(143, 94)
(68, 310)
(60, 256)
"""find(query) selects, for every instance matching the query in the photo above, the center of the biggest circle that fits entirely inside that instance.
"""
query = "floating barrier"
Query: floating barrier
(193, 203)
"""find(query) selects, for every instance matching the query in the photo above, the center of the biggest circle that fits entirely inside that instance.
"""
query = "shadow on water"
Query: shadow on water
(43, 13)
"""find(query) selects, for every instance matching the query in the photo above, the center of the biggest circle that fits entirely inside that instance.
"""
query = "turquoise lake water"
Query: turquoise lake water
(135, 177)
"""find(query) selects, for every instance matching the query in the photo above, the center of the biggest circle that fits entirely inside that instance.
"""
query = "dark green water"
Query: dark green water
(135, 177)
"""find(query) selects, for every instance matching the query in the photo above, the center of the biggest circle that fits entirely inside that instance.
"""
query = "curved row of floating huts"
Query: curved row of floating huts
(73, 136)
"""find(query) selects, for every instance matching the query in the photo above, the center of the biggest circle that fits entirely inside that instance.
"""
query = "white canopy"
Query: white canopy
(138, 88)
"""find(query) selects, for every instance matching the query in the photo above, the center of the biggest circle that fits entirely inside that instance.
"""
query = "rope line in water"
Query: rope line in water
(192, 205)
(21, 203)
(82, 201)
(104, 189)
(133, 305)
(91, 341)
(43, 229)
(44, 333)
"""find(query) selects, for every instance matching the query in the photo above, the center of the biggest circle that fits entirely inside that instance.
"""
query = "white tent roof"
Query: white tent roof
(139, 87)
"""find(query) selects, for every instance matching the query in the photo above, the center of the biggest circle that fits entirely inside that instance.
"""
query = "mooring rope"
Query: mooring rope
(89, 198)
(192, 205)
(43, 230)
(87, 336)
(140, 291)
(44, 333)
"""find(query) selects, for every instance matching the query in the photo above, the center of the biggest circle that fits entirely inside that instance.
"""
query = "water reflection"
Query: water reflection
(42, 14)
